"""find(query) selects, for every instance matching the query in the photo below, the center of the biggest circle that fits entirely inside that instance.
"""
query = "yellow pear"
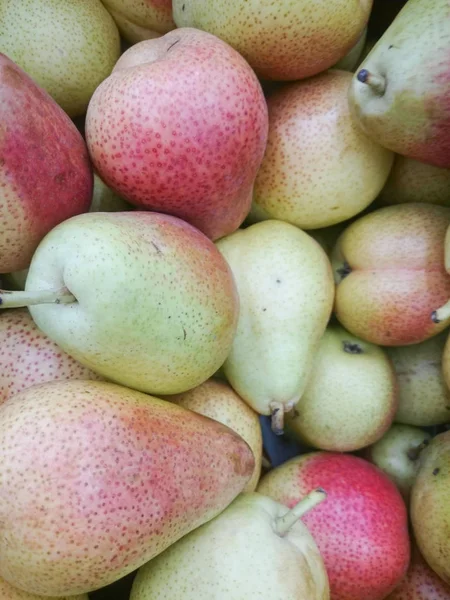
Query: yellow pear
(218, 401)
(350, 61)
(350, 400)
(67, 47)
(286, 292)
(319, 168)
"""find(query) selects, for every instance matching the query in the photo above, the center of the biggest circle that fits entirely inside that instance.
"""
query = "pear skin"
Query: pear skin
(97, 479)
(414, 181)
(351, 396)
(351, 60)
(319, 168)
(8, 592)
(138, 21)
(286, 292)
(237, 556)
(399, 94)
(390, 274)
(218, 401)
(430, 505)
(424, 396)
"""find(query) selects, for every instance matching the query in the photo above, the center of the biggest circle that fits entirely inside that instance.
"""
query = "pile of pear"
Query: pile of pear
(217, 215)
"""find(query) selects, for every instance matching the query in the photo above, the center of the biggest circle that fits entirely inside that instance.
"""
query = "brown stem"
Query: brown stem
(277, 410)
(9, 299)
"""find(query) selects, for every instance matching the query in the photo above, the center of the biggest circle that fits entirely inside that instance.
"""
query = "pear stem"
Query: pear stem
(375, 82)
(284, 523)
(441, 314)
(277, 410)
(17, 299)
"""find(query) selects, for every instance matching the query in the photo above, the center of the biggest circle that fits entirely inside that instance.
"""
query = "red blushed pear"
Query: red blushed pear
(45, 173)
(390, 274)
(399, 94)
(97, 479)
(361, 528)
(180, 127)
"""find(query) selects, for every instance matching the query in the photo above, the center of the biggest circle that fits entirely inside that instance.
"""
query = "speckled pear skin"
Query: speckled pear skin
(8, 592)
(351, 396)
(283, 40)
(361, 529)
(29, 357)
(218, 401)
(238, 556)
(141, 19)
(97, 479)
(412, 115)
(156, 306)
(430, 507)
(414, 181)
(390, 274)
(45, 173)
(319, 167)
(424, 397)
(66, 47)
(286, 292)
(421, 582)
(187, 153)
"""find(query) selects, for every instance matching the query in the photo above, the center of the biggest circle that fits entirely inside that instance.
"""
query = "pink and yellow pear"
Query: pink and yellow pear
(319, 168)
(29, 357)
(96, 479)
(45, 173)
(390, 274)
(281, 40)
(180, 127)
(138, 20)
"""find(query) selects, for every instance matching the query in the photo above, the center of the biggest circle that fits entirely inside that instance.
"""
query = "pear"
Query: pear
(141, 298)
(442, 314)
(351, 397)
(319, 168)
(397, 454)
(328, 236)
(362, 527)
(421, 582)
(29, 357)
(8, 592)
(351, 60)
(104, 199)
(430, 505)
(66, 47)
(414, 181)
(424, 396)
(218, 401)
(286, 292)
(281, 40)
(138, 21)
(97, 479)
(399, 95)
(256, 548)
(390, 274)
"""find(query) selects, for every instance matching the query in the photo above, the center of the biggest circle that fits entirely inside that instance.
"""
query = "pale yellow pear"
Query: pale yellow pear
(351, 398)
(286, 292)
(218, 401)
(67, 47)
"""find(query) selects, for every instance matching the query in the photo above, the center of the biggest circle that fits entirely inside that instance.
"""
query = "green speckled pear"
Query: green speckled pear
(255, 549)
(67, 47)
(286, 291)
(142, 298)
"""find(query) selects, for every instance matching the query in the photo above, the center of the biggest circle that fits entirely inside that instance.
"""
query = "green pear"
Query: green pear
(399, 95)
(350, 400)
(67, 47)
(97, 479)
(138, 21)
(328, 236)
(319, 168)
(286, 292)
(218, 401)
(430, 505)
(8, 592)
(397, 454)
(414, 181)
(104, 199)
(424, 397)
(282, 40)
(257, 548)
(141, 298)
(350, 61)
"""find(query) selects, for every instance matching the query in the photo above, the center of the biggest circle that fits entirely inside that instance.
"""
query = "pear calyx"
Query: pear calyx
(283, 524)
(376, 82)
(441, 314)
(16, 299)
(414, 453)
(352, 347)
